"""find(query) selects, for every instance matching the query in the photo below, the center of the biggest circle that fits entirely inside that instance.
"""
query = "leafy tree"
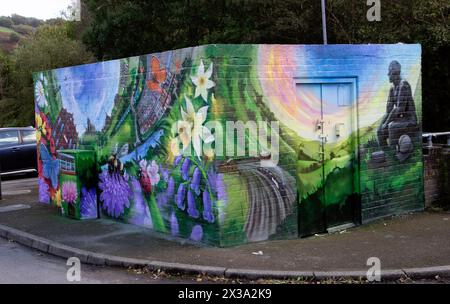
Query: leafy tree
(14, 37)
(122, 28)
(18, 19)
(5, 72)
(406, 21)
(8, 106)
(23, 29)
(49, 47)
(5, 21)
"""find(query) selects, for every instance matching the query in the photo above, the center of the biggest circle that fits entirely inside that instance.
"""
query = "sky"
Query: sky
(88, 91)
(41, 9)
(336, 63)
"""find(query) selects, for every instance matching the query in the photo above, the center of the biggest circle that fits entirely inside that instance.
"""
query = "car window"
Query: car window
(29, 136)
(9, 137)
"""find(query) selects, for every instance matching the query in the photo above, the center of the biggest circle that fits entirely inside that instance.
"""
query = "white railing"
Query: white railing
(436, 134)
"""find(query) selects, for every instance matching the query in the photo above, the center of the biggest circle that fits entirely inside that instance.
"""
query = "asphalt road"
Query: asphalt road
(21, 265)
(18, 189)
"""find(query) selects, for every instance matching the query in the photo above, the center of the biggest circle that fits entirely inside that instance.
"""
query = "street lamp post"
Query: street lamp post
(324, 23)
(0, 181)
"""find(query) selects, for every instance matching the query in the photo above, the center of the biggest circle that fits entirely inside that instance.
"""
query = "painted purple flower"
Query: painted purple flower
(164, 173)
(221, 188)
(162, 198)
(69, 192)
(207, 210)
(192, 210)
(181, 193)
(174, 229)
(217, 185)
(195, 184)
(212, 176)
(177, 160)
(197, 233)
(151, 170)
(88, 207)
(44, 194)
(116, 193)
(185, 169)
(170, 187)
(140, 213)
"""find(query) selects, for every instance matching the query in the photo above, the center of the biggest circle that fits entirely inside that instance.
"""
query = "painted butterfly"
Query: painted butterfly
(159, 75)
(50, 166)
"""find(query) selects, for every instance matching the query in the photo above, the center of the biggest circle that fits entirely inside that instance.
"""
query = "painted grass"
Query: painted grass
(236, 209)
(124, 134)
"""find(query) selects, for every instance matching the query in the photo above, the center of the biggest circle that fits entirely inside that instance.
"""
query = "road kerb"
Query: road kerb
(94, 258)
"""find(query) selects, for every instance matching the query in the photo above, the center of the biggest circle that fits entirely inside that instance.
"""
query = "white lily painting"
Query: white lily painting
(202, 81)
(191, 128)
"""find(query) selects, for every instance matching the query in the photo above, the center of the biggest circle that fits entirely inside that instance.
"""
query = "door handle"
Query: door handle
(16, 149)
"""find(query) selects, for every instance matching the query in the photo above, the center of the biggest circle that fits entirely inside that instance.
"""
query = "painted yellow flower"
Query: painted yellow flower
(209, 153)
(202, 81)
(184, 129)
(57, 198)
(215, 105)
(40, 126)
(174, 149)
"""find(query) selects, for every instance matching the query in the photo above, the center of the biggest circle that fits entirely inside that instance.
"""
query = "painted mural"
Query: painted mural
(340, 127)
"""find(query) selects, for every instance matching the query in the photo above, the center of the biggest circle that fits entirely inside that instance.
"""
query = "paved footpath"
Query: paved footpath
(402, 244)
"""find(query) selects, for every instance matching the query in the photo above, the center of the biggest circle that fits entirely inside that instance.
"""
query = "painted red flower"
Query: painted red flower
(146, 182)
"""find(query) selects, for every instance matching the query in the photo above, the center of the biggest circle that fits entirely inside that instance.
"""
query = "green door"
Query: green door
(327, 159)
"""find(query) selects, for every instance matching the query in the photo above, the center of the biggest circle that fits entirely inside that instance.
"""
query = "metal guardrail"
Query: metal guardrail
(436, 134)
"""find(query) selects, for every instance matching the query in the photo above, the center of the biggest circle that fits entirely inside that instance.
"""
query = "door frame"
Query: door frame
(352, 79)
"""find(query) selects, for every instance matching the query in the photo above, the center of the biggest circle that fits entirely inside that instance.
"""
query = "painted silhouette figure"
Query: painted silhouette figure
(400, 110)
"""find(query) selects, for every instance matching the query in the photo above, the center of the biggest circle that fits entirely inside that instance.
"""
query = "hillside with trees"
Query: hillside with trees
(111, 29)
(15, 27)
(40, 46)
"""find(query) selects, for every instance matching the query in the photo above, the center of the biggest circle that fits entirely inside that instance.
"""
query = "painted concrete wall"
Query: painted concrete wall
(338, 143)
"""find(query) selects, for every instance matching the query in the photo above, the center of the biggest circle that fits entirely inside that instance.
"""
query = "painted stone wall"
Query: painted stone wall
(227, 144)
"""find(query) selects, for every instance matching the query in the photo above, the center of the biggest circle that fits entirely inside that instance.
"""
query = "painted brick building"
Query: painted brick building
(227, 144)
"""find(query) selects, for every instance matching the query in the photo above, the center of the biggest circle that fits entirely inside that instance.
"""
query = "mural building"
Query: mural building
(228, 144)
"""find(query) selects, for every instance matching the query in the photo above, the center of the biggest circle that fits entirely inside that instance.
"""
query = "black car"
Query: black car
(18, 150)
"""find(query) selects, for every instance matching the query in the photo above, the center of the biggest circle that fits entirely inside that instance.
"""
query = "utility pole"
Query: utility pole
(0, 181)
(324, 23)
